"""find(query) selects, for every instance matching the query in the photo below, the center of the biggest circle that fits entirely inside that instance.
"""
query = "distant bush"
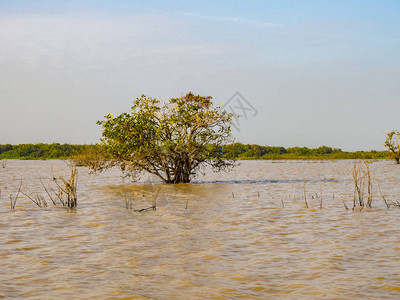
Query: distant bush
(38, 151)
(5, 148)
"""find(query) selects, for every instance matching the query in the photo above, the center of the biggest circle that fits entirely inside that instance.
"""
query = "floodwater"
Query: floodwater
(245, 234)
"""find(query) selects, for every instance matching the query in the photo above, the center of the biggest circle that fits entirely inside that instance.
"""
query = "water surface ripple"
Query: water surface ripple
(245, 234)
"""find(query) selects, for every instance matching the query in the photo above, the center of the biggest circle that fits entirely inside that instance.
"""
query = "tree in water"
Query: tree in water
(171, 140)
(392, 142)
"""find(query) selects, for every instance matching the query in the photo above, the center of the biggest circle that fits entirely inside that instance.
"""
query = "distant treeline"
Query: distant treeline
(231, 151)
(40, 151)
(246, 151)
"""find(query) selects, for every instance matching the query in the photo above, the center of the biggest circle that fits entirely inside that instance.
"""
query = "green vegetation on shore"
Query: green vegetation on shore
(40, 151)
(246, 151)
(231, 151)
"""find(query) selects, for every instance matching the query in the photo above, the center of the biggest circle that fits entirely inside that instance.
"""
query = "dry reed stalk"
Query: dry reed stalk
(66, 191)
(154, 196)
(320, 190)
(187, 203)
(67, 187)
(59, 195)
(367, 176)
(357, 185)
(305, 193)
(128, 201)
(13, 199)
(397, 203)
(36, 198)
(382, 195)
(3, 163)
(48, 193)
(344, 204)
(362, 178)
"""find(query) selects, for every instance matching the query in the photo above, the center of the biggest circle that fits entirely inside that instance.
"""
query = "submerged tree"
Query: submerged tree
(392, 142)
(171, 140)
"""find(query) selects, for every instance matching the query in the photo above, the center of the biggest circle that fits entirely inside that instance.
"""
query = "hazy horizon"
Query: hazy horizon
(313, 73)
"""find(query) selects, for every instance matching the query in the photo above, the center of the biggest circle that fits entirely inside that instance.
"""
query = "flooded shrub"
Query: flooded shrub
(362, 185)
(171, 141)
(67, 187)
(392, 142)
(12, 197)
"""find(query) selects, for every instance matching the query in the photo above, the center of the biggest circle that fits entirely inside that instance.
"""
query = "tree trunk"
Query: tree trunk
(181, 174)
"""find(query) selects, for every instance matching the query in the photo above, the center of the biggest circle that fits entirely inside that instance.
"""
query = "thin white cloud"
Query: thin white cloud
(237, 19)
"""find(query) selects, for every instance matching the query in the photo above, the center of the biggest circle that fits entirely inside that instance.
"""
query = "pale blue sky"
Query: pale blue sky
(318, 72)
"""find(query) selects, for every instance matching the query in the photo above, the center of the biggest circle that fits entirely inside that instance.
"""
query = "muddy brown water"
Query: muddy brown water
(245, 234)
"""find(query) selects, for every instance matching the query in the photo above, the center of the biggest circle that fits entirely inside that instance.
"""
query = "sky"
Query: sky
(308, 73)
